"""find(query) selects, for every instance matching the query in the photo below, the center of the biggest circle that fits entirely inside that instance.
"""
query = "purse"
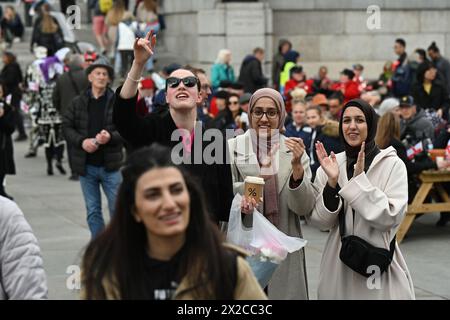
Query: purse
(358, 254)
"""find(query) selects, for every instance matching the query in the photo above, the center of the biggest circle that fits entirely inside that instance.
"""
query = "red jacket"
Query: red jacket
(350, 90)
(291, 85)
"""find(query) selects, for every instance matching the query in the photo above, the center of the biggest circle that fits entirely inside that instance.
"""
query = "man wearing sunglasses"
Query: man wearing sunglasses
(183, 94)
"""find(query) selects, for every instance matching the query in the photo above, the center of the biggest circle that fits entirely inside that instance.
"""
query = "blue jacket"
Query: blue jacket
(304, 133)
(221, 72)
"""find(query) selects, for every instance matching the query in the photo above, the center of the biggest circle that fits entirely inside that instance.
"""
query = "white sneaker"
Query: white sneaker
(16, 40)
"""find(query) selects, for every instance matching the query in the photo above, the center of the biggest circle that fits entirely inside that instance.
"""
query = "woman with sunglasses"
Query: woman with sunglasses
(161, 243)
(362, 200)
(283, 163)
(175, 127)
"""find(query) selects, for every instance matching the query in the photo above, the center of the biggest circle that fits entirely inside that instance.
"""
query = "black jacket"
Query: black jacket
(251, 75)
(75, 126)
(52, 41)
(158, 127)
(11, 76)
(438, 97)
(420, 163)
(7, 122)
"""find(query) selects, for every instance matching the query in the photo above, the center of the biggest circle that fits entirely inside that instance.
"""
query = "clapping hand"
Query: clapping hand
(359, 166)
(297, 147)
(329, 164)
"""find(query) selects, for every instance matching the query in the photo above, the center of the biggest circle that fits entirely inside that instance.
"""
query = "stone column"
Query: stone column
(240, 27)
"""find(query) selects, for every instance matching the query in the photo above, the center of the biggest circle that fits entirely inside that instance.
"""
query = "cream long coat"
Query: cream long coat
(379, 198)
(289, 280)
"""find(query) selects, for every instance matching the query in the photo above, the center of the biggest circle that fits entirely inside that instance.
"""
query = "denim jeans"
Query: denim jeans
(90, 186)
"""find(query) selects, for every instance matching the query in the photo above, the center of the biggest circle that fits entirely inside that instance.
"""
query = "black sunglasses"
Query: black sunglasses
(173, 82)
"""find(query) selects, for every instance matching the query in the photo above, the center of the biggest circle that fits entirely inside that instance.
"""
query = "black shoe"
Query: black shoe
(31, 155)
(21, 138)
(74, 177)
(50, 171)
(60, 168)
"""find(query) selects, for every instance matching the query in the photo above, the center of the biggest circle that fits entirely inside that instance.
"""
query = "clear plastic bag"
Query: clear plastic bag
(267, 245)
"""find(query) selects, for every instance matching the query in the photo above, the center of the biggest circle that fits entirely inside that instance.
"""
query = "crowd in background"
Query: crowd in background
(67, 95)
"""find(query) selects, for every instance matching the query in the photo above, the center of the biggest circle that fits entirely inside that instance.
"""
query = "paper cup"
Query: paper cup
(254, 187)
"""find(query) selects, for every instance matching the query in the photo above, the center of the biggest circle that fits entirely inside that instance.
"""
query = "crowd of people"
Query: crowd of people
(343, 156)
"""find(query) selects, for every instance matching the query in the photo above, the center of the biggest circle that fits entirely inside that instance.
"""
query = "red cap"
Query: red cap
(147, 83)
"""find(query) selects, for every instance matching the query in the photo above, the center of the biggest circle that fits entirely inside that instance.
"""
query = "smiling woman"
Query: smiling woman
(362, 199)
(263, 151)
(161, 244)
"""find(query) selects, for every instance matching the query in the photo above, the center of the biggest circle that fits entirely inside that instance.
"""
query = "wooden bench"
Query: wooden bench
(431, 179)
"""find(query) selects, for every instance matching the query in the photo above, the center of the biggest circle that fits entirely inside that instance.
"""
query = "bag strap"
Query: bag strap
(341, 217)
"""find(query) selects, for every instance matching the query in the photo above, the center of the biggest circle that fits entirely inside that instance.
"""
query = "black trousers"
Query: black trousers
(127, 59)
(28, 18)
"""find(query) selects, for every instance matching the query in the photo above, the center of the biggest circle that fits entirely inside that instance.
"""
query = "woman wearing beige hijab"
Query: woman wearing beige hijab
(263, 151)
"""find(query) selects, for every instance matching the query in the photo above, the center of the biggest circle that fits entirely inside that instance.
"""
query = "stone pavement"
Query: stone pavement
(54, 207)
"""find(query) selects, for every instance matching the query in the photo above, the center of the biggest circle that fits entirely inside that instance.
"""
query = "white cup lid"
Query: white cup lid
(256, 180)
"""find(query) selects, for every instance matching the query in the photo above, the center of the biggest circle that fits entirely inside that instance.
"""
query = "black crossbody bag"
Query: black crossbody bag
(359, 255)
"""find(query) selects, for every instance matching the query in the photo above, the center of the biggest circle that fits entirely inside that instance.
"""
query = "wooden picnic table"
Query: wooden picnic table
(431, 180)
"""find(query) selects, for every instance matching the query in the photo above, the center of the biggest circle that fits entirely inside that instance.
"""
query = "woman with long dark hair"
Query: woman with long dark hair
(362, 199)
(161, 243)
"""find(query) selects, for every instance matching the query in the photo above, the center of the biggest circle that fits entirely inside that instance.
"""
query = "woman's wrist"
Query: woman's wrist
(137, 68)
(332, 182)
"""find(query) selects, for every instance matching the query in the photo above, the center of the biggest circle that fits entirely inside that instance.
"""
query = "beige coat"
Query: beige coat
(247, 286)
(289, 280)
(379, 198)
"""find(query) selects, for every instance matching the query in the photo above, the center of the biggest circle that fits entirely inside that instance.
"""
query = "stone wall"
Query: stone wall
(332, 33)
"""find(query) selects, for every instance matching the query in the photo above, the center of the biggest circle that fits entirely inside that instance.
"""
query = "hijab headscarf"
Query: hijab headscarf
(271, 94)
(371, 149)
(263, 147)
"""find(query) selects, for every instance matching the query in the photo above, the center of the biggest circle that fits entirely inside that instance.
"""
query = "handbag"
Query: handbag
(358, 254)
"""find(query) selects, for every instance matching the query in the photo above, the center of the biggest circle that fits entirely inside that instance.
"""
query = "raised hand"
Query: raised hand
(329, 164)
(144, 47)
(359, 166)
(297, 147)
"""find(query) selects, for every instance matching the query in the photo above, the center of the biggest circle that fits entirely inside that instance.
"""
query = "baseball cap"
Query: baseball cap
(147, 83)
(406, 101)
